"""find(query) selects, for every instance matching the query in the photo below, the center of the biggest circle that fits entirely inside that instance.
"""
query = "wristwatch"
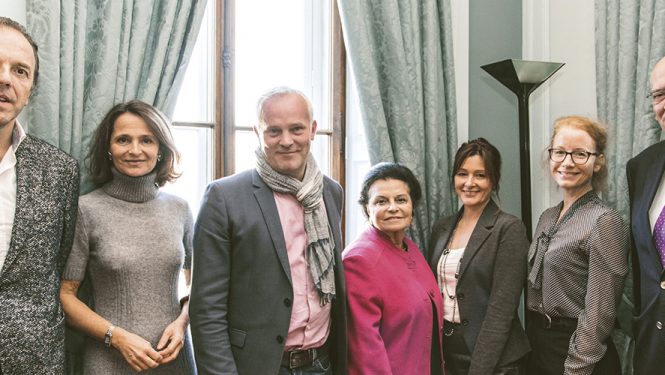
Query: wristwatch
(108, 336)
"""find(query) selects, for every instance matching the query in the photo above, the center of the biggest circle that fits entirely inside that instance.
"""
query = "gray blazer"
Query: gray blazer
(492, 275)
(32, 325)
(241, 297)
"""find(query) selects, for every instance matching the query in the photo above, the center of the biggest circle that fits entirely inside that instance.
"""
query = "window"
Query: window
(194, 117)
(245, 48)
(277, 43)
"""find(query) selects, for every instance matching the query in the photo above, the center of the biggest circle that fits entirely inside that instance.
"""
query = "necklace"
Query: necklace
(444, 287)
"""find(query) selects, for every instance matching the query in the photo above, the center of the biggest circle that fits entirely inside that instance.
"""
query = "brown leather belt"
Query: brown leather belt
(300, 358)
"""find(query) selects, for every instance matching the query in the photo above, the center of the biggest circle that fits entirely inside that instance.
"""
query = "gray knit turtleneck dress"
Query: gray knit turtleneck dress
(132, 242)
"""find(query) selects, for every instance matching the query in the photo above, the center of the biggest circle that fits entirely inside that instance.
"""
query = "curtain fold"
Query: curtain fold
(630, 39)
(96, 53)
(401, 55)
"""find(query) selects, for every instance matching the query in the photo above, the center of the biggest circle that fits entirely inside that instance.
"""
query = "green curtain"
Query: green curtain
(97, 53)
(630, 39)
(401, 54)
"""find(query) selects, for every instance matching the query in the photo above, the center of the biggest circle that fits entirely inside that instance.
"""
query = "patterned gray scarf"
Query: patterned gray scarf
(320, 243)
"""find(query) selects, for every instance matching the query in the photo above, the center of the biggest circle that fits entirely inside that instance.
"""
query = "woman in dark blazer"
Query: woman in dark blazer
(479, 258)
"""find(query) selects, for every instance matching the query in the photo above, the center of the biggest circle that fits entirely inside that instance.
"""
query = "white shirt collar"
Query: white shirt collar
(18, 135)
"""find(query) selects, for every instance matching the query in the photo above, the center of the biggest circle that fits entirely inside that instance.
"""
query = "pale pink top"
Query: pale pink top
(450, 264)
(310, 322)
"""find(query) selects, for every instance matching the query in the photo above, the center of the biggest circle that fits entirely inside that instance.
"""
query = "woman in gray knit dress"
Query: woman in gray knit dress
(131, 242)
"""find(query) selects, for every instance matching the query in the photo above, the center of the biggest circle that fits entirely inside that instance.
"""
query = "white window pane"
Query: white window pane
(195, 98)
(321, 151)
(281, 43)
(195, 164)
(246, 144)
(357, 161)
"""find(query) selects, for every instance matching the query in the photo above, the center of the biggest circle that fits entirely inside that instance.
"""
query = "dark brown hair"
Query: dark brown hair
(490, 155)
(385, 171)
(10, 23)
(99, 163)
(598, 134)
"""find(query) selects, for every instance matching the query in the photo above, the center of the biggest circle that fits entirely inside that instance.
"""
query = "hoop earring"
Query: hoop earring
(110, 156)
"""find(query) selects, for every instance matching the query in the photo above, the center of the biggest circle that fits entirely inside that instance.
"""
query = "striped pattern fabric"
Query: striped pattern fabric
(583, 264)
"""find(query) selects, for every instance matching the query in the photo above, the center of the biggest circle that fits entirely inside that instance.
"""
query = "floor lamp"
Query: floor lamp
(522, 77)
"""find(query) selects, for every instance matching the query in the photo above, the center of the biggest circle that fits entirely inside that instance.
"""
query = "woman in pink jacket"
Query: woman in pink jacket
(395, 308)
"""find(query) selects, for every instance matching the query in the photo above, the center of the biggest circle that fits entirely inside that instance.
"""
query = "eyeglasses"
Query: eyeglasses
(578, 157)
(656, 96)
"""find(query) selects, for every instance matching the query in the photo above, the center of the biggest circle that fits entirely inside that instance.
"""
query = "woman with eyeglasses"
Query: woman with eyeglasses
(577, 261)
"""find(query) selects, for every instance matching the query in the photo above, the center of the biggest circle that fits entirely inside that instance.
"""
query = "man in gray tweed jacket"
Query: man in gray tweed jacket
(38, 205)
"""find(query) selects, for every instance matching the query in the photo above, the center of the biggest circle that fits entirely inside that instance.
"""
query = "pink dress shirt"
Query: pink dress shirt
(390, 297)
(310, 322)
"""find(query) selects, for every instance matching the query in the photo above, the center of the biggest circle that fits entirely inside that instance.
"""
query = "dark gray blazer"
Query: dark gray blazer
(644, 172)
(240, 307)
(492, 275)
(32, 325)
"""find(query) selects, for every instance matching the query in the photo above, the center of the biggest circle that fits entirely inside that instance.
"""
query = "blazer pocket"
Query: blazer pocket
(237, 337)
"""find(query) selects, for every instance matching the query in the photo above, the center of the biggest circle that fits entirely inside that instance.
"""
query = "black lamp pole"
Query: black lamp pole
(522, 78)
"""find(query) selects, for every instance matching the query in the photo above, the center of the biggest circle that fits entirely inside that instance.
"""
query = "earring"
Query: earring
(110, 156)
(159, 157)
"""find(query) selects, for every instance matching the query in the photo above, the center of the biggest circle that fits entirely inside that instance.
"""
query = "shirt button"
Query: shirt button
(659, 325)
(279, 339)
(465, 322)
(287, 302)
(460, 296)
(662, 285)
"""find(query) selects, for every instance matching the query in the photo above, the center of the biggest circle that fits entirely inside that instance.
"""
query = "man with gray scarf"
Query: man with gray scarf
(268, 292)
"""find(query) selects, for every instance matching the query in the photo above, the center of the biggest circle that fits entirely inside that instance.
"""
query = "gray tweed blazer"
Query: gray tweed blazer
(32, 325)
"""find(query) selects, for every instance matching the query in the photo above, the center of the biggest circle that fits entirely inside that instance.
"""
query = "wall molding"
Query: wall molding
(460, 21)
(536, 46)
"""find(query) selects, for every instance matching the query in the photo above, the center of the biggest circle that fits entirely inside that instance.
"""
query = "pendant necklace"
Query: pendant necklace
(442, 271)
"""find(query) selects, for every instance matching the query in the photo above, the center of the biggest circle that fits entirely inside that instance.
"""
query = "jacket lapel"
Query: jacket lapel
(266, 200)
(479, 235)
(331, 212)
(651, 185)
(442, 241)
(26, 183)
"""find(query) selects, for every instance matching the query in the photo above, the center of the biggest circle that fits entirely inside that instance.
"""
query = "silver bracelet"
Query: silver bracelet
(108, 336)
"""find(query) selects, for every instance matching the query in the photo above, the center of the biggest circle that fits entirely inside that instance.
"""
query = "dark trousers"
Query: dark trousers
(455, 351)
(458, 358)
(549, 348)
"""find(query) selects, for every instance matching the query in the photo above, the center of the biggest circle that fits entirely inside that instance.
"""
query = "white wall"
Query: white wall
(557, 31)
(14, 9)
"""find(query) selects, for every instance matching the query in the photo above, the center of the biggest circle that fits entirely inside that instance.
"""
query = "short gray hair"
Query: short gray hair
(282, 91)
